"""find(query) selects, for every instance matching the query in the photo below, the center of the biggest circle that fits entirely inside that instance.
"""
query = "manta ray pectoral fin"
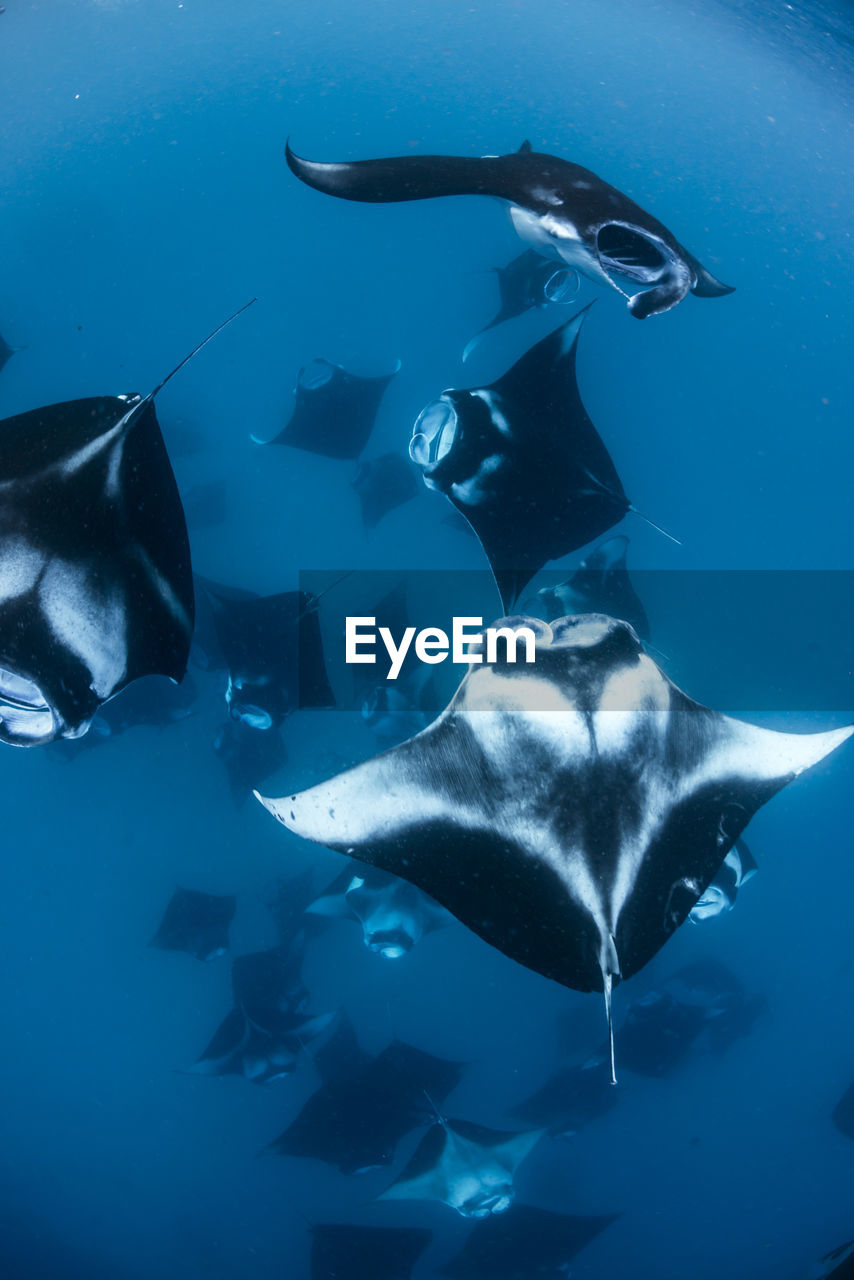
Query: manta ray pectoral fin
(397, 178)
(769, 756)
(371, 802)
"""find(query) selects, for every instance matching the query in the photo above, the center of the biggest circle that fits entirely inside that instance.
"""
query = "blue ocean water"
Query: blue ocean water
(146, 197)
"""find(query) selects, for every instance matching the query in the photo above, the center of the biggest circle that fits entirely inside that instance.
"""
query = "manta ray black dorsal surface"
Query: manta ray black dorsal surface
(529, 281)
(525, 1243)
(196, 922)
(559, 208)
(570, 811)
(273, 650)
(340, 1251)
(382, 484)
(94, 558)
(334, 410)
(92, 534)
(360, 1113)
(601, 584)
(521, 460)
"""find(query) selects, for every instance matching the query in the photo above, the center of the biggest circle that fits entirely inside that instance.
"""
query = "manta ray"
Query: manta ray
(334, 411)
(529, 281)
(562, 210)
(273, 651)
(196, 922)
(366, 1104)
(394, 915)
(466, 1166)
(570, 1098)
(600, 584)
(527, 1243)
(262, 1036)
(96, 588)
(738, 867)
(521, 460)
(570, 811)
(382, 484)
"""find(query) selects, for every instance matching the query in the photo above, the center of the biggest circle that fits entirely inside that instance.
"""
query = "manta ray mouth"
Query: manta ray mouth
(26, 716)
(315, 375)
(631, 252)
(714, 902)
(562, 286)
(434, 432)
(391, 944)
(485, 1206)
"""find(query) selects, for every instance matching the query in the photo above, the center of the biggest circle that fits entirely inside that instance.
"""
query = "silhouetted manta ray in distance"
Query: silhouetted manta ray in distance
(561, 209)
(334, 411)
(525, 1243)
(196, 922)
(570, 811)
(529, 281)
(466, 1166)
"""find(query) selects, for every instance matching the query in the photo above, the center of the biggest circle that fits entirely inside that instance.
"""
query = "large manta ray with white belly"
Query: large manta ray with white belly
(561, 209)
(96, 587)
(570, 811)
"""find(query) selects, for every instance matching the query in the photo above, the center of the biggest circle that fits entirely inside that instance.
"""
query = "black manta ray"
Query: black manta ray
(261, 1054)
(570, 1098)
(358, 1116)
(527, 282)
(466, 1166)
(382, 484)
(521, 460)
(343, 1252)
(273, 652)
(600, 584)
(570, 811)
(262, 1037)
(559, 208)
(96, 588)
(524, 1244)
(334, 411)
(196, 922)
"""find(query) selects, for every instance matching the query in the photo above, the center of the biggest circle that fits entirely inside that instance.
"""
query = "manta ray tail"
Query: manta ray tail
(401, 177)
(440, 1119)
(609, 962)
(197, 349)
(606, 980)
(653, 525)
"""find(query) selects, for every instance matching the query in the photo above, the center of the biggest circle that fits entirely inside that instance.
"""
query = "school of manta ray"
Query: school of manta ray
(572, 811)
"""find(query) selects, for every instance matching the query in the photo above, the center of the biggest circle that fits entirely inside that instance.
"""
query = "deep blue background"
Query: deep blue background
(144, 197)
